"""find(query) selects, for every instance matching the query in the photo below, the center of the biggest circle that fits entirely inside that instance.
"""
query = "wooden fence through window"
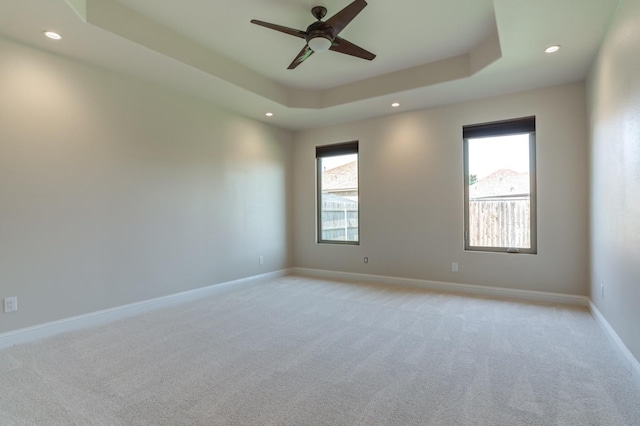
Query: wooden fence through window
(500, 223)
(339, 219)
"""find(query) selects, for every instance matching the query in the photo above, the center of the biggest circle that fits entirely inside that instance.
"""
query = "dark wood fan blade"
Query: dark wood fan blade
(286, 30)
(343, 46)
(302, 56)
(341, 19)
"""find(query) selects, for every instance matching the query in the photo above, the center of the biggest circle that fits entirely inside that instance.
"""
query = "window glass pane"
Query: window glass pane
(499, 209)
(338, 200)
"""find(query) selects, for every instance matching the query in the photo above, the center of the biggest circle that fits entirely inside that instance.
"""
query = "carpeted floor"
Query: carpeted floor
(300, 351)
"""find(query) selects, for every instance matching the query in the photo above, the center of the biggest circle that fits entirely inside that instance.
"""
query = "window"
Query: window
(500, 186)
(338, 215)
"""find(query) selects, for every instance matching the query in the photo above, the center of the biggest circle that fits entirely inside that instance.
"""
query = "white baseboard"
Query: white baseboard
(475, 290)
(626, 355)
(53, 328)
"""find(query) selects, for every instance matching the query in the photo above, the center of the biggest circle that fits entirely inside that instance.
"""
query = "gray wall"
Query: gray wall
(614, 106)
(411, 195)
(114, 190)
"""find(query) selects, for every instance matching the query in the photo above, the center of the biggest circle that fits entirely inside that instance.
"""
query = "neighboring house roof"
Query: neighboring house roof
(341, 178)
(503, 182)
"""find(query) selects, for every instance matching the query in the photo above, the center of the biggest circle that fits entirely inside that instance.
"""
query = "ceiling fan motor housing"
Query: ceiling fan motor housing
(317, 33)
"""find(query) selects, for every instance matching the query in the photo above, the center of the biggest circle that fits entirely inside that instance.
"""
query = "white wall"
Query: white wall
(411, 195)
(113, 190)
(614, 106)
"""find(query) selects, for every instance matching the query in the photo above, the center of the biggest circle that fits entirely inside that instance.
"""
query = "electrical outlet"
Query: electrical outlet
(454, 267)
(261, 260)
(10, 304)
(366, 260)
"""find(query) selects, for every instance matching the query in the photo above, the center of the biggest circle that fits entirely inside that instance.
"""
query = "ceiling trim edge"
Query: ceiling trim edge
(117, 19)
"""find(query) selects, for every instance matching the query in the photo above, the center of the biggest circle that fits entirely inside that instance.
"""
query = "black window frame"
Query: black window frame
(326, 151)
(524, 125)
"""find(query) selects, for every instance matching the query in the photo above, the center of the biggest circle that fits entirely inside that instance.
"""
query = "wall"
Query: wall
(114, 190)
(411, 195)
(614, 108)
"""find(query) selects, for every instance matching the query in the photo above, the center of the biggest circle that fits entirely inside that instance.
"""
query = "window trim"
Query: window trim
(334, 150)
(503, 128)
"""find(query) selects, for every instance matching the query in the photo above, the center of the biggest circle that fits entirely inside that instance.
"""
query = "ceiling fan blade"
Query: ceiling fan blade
(343, 46)
(302, 56)
(282, 29)
(341, 19)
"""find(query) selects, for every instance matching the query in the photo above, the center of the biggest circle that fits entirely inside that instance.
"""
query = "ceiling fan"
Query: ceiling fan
(323, 35)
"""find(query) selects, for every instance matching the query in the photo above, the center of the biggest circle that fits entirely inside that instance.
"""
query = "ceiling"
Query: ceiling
(429, 52)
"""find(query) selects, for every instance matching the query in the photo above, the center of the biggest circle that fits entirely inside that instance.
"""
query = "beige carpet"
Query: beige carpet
(299, 351)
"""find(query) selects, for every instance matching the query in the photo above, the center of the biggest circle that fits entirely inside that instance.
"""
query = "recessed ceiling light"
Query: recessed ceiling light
(269, 114)
(53, 35)
(553, 48)
(395, 105)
